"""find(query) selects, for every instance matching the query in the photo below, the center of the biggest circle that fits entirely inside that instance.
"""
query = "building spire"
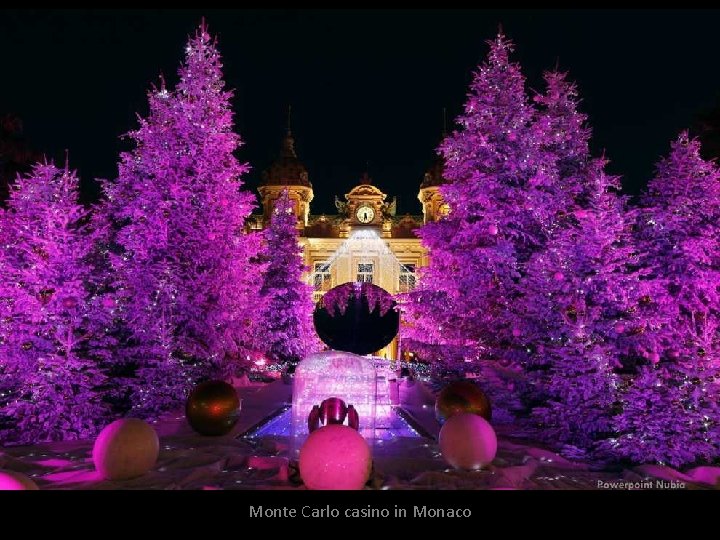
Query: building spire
(288, 145)
(287, 170)
(365, 178)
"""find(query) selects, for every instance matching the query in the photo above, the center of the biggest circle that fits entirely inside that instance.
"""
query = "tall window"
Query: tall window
(322, 279)
(407, 278)
(365, 273)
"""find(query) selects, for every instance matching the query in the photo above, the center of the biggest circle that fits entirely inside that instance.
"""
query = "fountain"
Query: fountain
(356, 318)
(337, 374)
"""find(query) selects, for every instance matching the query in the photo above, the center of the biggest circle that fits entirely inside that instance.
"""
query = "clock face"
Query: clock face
(365, 214)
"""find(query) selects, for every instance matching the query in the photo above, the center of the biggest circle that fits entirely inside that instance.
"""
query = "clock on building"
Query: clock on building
(365, 214)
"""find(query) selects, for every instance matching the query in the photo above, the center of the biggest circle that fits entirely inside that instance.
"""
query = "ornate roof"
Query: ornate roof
(365, 188)
(405, 226)
(287, 170)
(434, 175)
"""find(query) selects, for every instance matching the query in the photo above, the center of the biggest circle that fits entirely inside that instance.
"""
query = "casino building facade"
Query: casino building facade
(365, 240)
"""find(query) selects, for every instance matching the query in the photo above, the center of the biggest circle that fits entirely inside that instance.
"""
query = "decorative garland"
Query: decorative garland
(339, 297)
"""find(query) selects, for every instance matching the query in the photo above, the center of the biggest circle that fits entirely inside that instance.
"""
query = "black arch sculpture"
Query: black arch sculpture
(357, 317)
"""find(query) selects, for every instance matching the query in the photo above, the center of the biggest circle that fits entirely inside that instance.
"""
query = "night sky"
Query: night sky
(365, 86)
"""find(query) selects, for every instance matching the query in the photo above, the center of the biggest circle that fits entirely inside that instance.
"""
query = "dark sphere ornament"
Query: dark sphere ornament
(213, 408)
(462, 397)
(356, 317)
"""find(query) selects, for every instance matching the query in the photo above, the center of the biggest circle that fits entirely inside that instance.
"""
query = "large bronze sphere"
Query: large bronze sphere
(462, 397)
(213, 408)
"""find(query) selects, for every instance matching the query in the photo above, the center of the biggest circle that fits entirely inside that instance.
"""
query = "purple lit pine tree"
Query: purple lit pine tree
(562, 132)
(669, 411)
(495, 175)
(578, 304)
(6, 302)
(187, 280)
(287, 332)
(53, 328)
(560, 136)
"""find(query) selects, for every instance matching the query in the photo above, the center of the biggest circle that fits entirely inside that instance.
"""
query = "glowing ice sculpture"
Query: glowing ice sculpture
(344, 375)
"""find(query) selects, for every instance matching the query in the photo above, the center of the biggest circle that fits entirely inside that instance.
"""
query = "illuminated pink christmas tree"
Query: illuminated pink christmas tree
(669, 411)
(7, 380)
(500, 185)
(560, 137)
(185, 267)
(576, 312)
(286, 332)
(562, 131)
(54, 325)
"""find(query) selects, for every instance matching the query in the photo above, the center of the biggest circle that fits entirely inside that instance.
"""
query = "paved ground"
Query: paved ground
(190, 461)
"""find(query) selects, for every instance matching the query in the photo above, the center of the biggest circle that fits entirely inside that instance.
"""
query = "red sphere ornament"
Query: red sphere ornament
(462, 397)
(45, 295)
(332, 411)
(213, 408)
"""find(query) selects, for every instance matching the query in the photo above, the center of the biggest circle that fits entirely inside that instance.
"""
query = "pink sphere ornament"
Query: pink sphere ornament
(335, 457)
(468, 441)
(126, 449)
(654, 358)
(108, 302)
(492, 229)
(619, 328)
(581, 214)
(516, 332)
(70, 302)
(558, 276)
(15, 481)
